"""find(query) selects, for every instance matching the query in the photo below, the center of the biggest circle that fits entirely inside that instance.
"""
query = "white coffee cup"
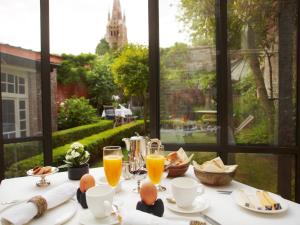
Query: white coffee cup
(185, 190)
(99, 200)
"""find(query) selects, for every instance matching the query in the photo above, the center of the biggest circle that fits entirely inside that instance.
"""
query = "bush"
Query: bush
(75, 112)
(63, 137)
(15, 152)
(93, 144)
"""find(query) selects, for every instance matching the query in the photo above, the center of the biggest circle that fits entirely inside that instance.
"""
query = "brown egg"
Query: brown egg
(87, 181)
(148, 193)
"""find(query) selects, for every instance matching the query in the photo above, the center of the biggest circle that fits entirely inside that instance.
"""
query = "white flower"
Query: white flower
(75, 154)
(115, 97)
(86, 154)
(76, 145)
(68, 157)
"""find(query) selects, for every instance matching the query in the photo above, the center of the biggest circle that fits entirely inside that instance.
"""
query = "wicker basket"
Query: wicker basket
(214, 179)
(177, 171)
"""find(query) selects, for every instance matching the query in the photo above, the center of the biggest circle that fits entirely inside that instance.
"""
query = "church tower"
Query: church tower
(116, 30)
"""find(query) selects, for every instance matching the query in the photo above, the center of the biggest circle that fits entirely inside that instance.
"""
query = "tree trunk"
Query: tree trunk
(267, 105)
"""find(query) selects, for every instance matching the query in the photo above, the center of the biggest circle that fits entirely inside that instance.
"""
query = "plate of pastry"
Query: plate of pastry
(260, 201)
(42, 171)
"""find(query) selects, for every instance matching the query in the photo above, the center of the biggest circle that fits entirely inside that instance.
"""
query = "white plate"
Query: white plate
(56, 216)
(87, 218)
(53, 170)
(277, 198)
(199, 205)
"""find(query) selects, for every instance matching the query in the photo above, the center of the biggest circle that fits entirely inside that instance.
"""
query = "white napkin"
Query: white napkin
(137, 217)
(23, 213)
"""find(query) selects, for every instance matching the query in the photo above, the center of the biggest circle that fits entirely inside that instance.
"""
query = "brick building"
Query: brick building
(21, 91)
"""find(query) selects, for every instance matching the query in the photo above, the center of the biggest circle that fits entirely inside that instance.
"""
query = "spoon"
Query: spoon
(205, 217)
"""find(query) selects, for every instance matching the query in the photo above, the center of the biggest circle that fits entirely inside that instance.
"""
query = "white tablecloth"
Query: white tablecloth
(123, 112)
(222, 208)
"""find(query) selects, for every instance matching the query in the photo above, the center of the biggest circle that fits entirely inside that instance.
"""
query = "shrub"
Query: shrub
(75, 112)
(93, 144)
(63, 137)
(15, 152)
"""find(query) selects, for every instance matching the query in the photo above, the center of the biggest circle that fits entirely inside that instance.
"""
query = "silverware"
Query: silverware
(117, 213)
(225, 192)
(12, 202)
(205, 217)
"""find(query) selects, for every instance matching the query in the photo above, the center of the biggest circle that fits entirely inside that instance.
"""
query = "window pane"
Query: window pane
(20, 61)
(3, 87)
(8, 116)
(188, 107)
(10, 78)
(256, 170)
(262, 54)
(16, 153)
(21, 80)
(22, 115)
(3, 77)
(22, 105)
(11, 88)
(23, 125)
(118, 85)
(21, 89)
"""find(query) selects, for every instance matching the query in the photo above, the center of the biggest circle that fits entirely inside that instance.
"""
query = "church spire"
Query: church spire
(117, 9)
(116, 30)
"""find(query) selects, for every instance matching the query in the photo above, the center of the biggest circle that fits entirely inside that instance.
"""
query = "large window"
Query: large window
(228, 83)
(224, 77)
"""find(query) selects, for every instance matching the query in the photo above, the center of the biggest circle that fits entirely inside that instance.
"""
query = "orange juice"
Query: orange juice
(155, 166)
(113, 169)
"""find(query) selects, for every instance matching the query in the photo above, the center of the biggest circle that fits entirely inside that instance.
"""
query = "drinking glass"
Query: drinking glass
(155, 163)
(112, 162)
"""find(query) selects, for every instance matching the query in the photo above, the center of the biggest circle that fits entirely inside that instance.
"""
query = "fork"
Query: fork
(116, 211)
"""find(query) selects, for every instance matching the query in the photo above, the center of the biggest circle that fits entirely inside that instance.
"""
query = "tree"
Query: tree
(75, 68)
(102, 47)
(131, 73)
(100, 82)
(255, 18)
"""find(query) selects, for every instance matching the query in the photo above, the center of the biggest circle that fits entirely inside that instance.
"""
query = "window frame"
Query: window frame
(223, 147)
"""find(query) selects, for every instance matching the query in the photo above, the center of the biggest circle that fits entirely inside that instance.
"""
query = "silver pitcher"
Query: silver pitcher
(137, 146)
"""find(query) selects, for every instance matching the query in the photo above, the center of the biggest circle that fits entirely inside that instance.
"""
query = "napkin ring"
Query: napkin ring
(40, 203)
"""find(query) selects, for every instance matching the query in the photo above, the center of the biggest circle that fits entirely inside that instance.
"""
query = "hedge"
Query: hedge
(93, 144)
(15, 152)
(60, 138)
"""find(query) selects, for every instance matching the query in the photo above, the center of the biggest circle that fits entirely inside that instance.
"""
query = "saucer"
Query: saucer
(87, 218)
(199, 205)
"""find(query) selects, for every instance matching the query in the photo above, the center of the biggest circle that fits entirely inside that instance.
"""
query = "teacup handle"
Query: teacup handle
(200, 189)
(107, 207)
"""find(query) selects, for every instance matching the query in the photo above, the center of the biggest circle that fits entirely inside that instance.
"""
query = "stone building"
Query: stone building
(21, 91)
(116, 30)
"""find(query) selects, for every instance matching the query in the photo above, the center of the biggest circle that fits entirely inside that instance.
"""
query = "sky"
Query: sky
(76, 26)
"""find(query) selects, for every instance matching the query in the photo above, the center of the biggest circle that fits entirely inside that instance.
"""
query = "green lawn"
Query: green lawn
(196, 137)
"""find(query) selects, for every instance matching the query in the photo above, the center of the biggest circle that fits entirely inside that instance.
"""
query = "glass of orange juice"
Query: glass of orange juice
(155, 164)
(112, 162)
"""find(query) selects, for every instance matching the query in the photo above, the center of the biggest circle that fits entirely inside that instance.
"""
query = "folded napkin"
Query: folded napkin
(137, 217)
(23, 213)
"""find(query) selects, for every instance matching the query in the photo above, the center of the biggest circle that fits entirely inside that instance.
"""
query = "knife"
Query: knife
(209, 219)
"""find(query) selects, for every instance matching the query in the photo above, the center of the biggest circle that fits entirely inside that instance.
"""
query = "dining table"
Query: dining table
(222, 207)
